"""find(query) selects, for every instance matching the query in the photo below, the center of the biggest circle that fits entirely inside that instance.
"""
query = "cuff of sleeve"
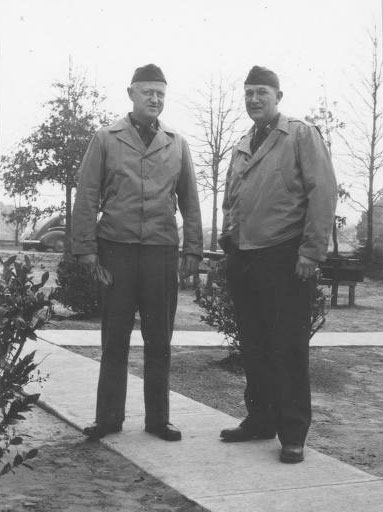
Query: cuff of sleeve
(312, 254)
(199, 256)
(194, 250)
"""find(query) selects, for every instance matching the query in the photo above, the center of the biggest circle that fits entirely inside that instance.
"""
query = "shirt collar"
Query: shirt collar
(125, 122)
(269, 126)
(142, 126)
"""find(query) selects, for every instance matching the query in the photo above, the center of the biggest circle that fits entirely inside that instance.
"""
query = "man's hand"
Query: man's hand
(189, 265)
(225, 243)
(87, 259)
(305, 267)
(98, 272)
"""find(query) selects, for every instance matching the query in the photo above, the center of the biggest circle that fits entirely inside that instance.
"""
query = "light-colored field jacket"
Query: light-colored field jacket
(137, 189)
(286, 189)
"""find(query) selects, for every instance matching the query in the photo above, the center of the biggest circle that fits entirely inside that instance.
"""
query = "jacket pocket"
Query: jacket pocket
(283, 178)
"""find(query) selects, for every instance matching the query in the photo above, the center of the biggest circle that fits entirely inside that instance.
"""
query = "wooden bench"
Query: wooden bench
(334, 290)
(341, 271)
(204, 268)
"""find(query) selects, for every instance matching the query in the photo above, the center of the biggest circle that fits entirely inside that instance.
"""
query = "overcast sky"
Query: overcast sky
(309, 43)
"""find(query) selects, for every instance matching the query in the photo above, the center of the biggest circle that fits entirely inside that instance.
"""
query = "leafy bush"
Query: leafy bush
(76, 289)
(23, 309)
(215, 299)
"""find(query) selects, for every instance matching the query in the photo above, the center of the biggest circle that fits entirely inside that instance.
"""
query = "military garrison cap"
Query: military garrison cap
(262, 76)
(148, 73)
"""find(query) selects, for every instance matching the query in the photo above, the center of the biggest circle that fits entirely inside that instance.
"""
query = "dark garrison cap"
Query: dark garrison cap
(262, 76)
(148, 73)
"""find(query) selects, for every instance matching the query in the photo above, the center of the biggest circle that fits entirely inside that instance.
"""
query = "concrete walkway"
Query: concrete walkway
(209, 338)
(222, 477)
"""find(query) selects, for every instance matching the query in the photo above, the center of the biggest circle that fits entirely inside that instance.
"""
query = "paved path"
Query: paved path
(210, 338)
(222, 477)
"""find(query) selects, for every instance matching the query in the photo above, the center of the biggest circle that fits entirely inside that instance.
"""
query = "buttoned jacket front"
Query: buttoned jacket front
(137, 190)
(287, 188)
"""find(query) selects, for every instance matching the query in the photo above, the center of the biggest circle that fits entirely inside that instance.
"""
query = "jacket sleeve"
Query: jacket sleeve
(189, 205)
(86, 205)
(321, 192)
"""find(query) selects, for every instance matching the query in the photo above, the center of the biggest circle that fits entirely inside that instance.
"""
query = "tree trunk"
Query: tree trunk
(376, 82)
(17, 229)
(68, 221)
(370, 232)
(214, 234)
(335, 239)
(214, 231)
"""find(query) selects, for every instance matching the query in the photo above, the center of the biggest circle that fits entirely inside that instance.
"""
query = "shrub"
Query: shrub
(76, 289)
(23, 309)
(215, 299)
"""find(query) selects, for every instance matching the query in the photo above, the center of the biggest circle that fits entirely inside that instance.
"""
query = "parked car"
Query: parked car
(48, 234)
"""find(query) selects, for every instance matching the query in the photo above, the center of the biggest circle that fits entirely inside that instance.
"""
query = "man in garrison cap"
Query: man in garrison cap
(137, 172)
(278, 208)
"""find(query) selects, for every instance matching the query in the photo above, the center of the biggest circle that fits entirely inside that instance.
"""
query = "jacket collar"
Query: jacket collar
(126, 132)
(282, 127)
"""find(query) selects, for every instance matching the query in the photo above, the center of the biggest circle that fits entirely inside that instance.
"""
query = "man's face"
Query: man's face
(262, 102)
(148, 100)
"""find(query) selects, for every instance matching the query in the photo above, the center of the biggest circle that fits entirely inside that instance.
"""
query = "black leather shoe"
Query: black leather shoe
(292, 453)
(98, 430)
(167, 432)
(240, 434)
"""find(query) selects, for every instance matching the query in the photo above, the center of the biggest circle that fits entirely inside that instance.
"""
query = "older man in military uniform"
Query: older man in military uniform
(137, 172)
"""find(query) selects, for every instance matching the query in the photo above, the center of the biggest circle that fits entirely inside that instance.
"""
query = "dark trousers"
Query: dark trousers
(144, 278)
(273, 310)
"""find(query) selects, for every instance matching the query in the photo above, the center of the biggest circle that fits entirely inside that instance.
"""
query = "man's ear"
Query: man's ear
(279, 96)
(130, 92)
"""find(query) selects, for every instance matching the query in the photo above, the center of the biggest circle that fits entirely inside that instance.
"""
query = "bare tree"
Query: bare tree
(365, 143)
(327, 120)
(217, 115)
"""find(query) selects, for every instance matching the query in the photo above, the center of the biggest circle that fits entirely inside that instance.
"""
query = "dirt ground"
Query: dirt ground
(73, 475)
(365, 316)
(347, 392)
